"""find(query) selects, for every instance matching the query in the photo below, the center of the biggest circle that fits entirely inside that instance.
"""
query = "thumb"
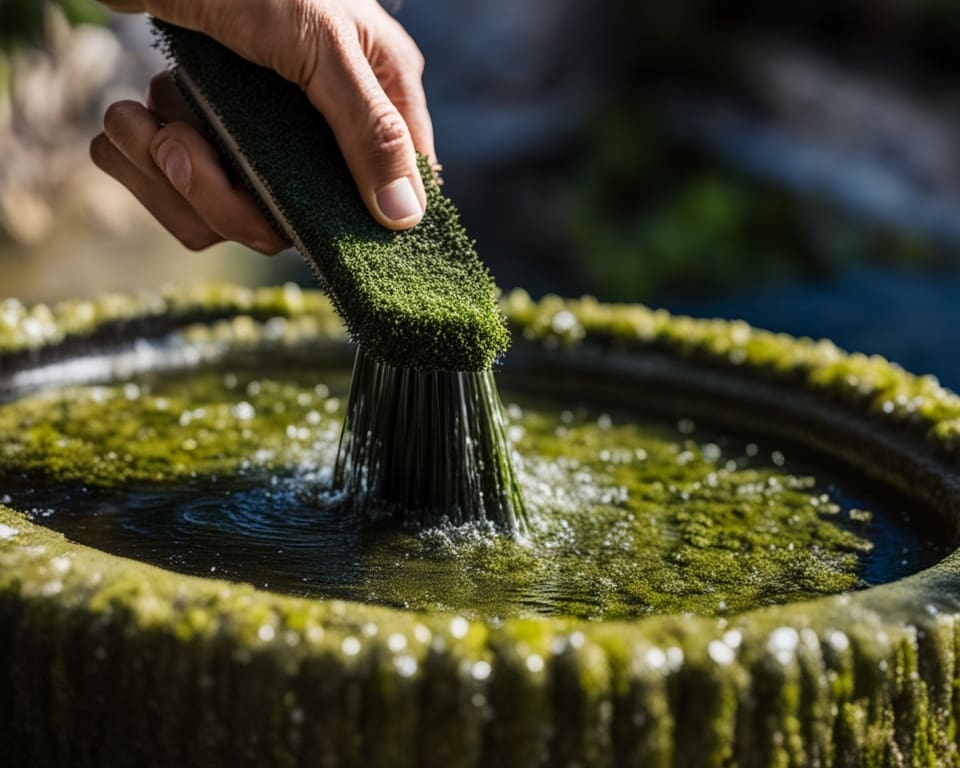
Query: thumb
(372, 134)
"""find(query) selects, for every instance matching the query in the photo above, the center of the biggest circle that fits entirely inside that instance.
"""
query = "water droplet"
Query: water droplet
(733, 638)
(459, 627)
(396, 642)
(783, 643)
(534, 663)
(720, 652)
(266, 632)
(655, 658)
(244, 411)
(480, 670)
(563, 321)
(674, 658)
(6, 532)
(406, 665)
(350, 646)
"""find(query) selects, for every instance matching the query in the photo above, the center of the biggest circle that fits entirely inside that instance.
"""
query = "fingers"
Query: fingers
(166, 102)
(372, 134)
(177, 176)
(377, 117)
(123, 151)
(193, 168)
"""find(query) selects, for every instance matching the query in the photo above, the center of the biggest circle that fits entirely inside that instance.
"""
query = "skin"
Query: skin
(355, 63)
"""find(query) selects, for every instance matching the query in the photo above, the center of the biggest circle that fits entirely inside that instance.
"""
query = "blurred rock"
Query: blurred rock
(48, 114)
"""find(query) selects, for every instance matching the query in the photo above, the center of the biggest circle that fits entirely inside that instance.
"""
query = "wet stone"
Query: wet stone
(227, 473)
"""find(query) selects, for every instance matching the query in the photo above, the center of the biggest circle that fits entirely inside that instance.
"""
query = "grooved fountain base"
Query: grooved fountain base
(107, 660)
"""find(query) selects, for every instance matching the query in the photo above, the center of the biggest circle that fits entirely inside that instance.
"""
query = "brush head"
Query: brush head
(420, 298)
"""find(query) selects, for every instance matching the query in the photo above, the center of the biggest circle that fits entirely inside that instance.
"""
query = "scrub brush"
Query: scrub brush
(424, 435)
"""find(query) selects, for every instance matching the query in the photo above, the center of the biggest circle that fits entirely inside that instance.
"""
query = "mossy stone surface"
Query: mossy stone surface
(106, 659)
(629, 517)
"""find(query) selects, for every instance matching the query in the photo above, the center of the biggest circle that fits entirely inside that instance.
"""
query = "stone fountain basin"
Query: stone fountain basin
(106, 660)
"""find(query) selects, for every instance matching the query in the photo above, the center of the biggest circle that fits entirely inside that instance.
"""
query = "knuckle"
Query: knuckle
(323, 39)
(417, 62)
(389, 131)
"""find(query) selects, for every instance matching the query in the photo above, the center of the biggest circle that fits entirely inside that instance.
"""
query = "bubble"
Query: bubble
(266, 632)
(350, 646)
(397, 642)
(534, 662)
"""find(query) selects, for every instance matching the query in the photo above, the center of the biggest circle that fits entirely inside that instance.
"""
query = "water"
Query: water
(228, 473)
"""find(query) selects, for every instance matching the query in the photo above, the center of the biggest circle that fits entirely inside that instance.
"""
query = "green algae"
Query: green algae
(168, 431)
(629, 518)
(110, 660)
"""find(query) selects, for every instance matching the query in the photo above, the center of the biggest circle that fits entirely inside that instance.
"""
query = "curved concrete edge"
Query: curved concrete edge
(111, 661)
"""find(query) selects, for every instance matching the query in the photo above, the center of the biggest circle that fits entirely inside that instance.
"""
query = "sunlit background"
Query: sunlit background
(793, 163)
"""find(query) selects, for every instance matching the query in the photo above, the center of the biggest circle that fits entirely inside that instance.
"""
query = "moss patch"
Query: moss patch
(106, 659)
(628, 518)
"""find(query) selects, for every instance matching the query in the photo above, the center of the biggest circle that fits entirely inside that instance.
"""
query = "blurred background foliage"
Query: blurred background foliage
(22, 21)
(729, 157)
(662, 209)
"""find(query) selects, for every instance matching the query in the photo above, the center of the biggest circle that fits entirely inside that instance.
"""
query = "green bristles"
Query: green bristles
(430, 446)
(419, 299)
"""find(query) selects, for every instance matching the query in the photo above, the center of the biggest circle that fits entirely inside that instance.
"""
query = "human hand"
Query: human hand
(355, 63)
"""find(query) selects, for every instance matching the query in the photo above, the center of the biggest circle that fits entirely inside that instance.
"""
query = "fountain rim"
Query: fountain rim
(221, 318)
